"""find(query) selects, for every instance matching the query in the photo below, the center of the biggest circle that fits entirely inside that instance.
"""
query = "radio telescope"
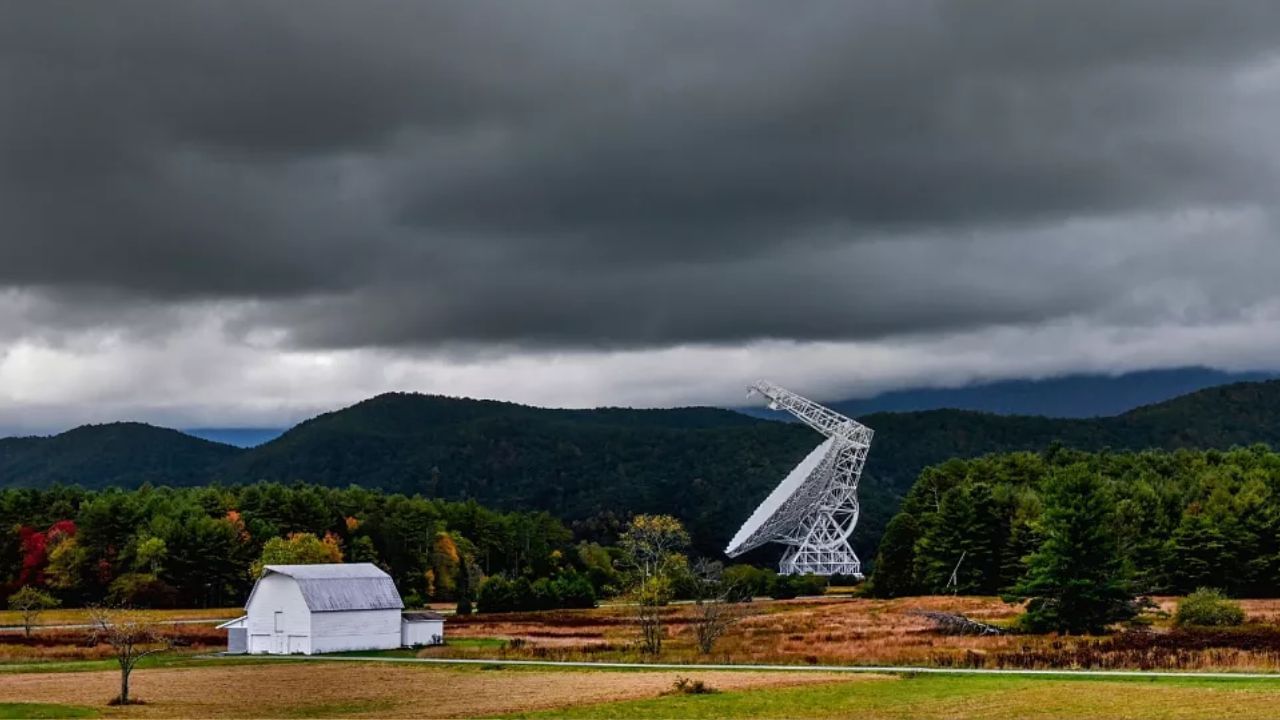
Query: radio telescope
(815, 508)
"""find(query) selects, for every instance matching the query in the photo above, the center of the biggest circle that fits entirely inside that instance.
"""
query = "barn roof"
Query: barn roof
(420, 616)
(338, 586)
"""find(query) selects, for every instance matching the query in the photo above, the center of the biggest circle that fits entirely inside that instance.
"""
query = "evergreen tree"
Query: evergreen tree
(1023, 541)
(963, 537)
(895, 562)
(1077, 582)
(1200, 555)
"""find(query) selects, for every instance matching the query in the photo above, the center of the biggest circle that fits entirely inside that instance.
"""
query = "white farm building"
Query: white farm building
(310, 609)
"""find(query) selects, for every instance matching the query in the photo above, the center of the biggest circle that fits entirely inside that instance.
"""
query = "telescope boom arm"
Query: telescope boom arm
(826, 421)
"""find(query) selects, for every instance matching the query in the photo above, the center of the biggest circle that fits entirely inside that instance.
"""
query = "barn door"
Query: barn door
(279, 643)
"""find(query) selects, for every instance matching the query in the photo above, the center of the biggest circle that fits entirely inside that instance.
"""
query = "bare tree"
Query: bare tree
(30, 602)
(715, 613)
(132, 637)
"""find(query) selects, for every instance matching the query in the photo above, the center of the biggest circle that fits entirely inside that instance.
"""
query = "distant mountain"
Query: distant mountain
(125, 454)
(239, 437)
(1071, 396)
(706, 465)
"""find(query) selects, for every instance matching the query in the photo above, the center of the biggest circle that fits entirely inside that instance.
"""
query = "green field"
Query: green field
(955, 696)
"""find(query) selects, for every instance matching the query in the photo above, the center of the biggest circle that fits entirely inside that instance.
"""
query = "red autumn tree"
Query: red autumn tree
(35, 546)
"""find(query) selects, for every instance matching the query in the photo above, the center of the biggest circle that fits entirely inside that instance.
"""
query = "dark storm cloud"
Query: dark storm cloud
(610, 174)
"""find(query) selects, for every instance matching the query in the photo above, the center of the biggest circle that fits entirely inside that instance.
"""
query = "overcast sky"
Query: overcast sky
(242, 213)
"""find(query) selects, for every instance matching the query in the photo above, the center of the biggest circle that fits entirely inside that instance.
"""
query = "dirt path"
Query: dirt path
(367, 689)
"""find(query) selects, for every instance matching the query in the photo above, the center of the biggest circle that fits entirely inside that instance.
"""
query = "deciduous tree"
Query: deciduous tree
(299, 549)
(131, 637)
(30, 602)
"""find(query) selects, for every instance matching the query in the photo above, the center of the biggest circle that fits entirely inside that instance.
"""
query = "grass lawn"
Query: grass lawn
(941, 696)
(45, 710)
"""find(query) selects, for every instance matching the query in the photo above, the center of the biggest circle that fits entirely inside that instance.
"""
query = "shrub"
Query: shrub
(575, 591)
(497, 594)
(686, 686)
(1208, 607)
(544, 595)
(747, 581)
(810, 584)
(785, 587)
(142, 590)
(570, 590)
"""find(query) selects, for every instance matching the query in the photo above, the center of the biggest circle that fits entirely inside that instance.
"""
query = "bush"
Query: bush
(786, 587)
(1208, 607)
(142, 590)
(687, 686)
(570, 590)
(544, 595)
(575, 591)
(497, 594)
(747, 581)
(809, 584)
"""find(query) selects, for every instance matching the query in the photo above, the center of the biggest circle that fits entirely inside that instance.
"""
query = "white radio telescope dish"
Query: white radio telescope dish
(815, 508)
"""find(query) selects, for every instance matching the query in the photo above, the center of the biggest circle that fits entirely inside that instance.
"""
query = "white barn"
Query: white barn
(310, 609)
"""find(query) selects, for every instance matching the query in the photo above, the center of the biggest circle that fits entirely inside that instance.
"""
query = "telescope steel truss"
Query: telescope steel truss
(817, 516)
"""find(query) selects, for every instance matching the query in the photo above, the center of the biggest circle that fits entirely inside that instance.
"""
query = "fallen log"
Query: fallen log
(956, 624)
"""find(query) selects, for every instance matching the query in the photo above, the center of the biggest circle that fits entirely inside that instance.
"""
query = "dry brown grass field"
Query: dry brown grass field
(806, 631)
(874, 632)
(68, 644)
(364, 690)
(75, 616)
(803, 632)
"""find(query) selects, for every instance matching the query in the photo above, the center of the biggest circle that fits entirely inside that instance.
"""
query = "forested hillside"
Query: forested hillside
(195, 546)
(124, 454)
(1183, 519)
(709, 467)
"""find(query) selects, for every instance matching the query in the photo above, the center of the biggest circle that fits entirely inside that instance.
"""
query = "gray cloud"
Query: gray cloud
(623, 175)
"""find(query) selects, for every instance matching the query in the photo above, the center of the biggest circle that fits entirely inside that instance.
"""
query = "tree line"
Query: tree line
(1116, 523)
(202, 546)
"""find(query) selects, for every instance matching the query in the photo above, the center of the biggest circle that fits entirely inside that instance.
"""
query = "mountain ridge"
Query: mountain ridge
(710, 466)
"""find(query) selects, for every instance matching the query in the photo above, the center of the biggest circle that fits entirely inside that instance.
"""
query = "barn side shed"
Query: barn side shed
(421, 627)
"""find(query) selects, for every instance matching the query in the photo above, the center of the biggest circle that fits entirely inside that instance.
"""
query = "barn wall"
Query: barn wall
(278, 593)
(355, 630)
(237, 640)
(421, 632)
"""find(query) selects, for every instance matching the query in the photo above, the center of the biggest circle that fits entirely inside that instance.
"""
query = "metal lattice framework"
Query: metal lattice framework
(815, 509)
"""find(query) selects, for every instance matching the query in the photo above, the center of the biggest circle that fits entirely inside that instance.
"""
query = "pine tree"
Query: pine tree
(964, 537)
(895, 562)
(1023, 541)
(1204, 553)
(1077, 582)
